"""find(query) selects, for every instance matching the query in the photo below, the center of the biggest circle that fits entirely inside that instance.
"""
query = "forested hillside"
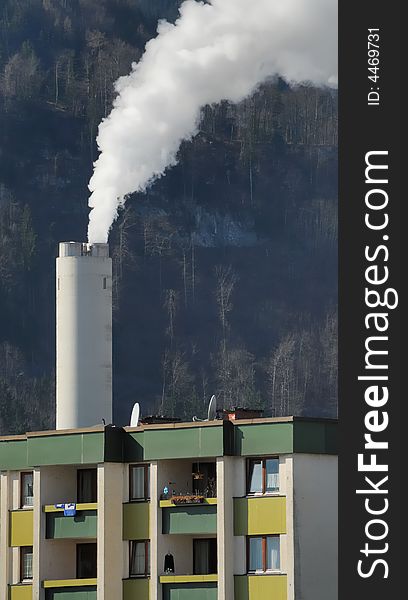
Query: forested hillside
(225, 271)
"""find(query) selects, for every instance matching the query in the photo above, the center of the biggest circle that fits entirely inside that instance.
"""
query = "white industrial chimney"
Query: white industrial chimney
(84, 335)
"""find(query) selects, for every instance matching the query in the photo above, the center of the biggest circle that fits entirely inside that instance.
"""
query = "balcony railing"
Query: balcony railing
(70, 589)
(83, 524)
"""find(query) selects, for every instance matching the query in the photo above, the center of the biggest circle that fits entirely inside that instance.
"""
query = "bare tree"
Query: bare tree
(226, 281)
(171, 305)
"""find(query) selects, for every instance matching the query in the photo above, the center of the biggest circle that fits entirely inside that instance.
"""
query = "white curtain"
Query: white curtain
(273, 553)
(255, 554)
(137, 487)
(27, 559)
(272, 475)
(137, 566)
(255, 484)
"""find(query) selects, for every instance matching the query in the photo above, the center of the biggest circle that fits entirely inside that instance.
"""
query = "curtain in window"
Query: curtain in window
(87, 485)
(27, 566)
(273, 553)
(272, 475)
(137, 559)
(137, 483)
(201, 557)
(255, 554)
(27, 489)
(255, 476)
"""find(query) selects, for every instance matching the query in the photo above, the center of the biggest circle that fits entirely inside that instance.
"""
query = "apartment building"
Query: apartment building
(229, 509)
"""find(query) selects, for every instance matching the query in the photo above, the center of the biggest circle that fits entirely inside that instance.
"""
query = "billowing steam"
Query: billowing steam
(220, 50)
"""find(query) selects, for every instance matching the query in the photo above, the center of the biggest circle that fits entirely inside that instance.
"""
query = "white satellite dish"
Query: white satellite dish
(212, 409)
(134, 419)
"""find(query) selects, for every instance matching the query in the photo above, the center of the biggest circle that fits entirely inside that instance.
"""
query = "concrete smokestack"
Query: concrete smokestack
(84, 335)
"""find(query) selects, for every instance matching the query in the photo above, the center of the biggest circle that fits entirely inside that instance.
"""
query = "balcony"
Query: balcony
(21, 592)
(189, 587)
(82, 525)
(136, 588)
(189, 518)
(260, 516)
(70, 589)
(21, 527)
(258, 587)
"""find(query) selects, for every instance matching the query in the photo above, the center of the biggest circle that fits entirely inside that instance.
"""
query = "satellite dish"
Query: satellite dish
(212, 409)
(134, 419)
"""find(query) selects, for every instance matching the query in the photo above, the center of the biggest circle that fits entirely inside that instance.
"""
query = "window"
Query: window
(26, 489)
(139, 558)
(86, 557)
(263, 554)
(86, 486)
(26, 563)
(139, 482)
(263, 476)
(205, 556)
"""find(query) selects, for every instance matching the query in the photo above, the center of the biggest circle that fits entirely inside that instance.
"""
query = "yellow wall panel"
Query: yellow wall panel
(260, 587)
(136, 521)
(21, 528)
(260, 516)
(21, 592)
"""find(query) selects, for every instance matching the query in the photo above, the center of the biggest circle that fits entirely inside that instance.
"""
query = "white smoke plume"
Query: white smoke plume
(220, 50)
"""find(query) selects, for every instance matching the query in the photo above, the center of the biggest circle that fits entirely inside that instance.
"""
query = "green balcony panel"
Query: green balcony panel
(82, 525)
(184, 442)
(315, 437)
(263, 438)
(73, 593)
(69, 449)
(260, 587)
(136, 521)
(136, 588)
(13, 453)
(190, 591)
(190, 519)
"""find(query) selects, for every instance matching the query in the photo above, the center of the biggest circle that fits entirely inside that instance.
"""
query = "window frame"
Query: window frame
(146, 479)
(263, 460)
(265, 570)
(22, 474)
(146, 573)
(214, 541)
(22, 550)
(78, 565)
(80, 472)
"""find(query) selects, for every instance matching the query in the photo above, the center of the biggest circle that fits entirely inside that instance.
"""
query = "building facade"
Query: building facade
(214, 510)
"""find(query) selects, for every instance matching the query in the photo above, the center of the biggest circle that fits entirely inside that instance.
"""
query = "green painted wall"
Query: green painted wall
(259, 516)
(194, 442)
(117, 445)
(190, 519)
(134, 446)
(83, 525)
(267, 438)
(136, 589)
(74, 593)
(71, 449)
(136, 521)
(315, 437)
(260, 587)
(13, 455)
(190, 591)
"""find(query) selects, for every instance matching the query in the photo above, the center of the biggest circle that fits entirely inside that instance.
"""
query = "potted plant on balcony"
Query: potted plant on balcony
(187, 499)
